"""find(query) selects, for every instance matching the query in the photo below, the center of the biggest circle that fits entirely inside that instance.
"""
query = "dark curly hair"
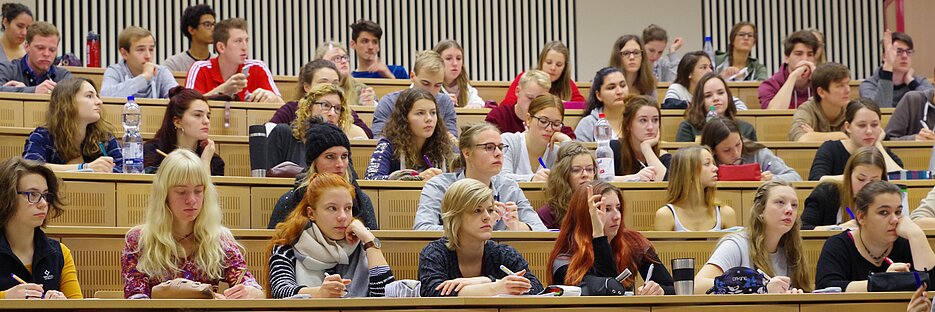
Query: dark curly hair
(192, 16)
(437, 148)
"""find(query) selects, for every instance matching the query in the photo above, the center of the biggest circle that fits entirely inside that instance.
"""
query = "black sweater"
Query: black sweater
(822, 206)
(605, 266)
(832, 157)
(438, 264)
(840, 263)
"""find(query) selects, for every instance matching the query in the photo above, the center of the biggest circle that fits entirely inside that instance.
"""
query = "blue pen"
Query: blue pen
(427, 161)
(542, 163)
(767, 166)
(918, 279)
(103, 150)
(850, 212)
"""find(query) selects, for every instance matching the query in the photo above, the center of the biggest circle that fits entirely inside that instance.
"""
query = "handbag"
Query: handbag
(746, 172)
(897, 281)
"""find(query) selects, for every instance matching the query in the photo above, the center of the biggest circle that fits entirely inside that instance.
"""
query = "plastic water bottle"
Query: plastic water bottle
(709, 49)
(712, 113)
(132, 146)
(604, 155)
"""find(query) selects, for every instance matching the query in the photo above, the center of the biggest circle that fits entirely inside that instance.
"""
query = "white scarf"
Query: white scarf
(316, 253)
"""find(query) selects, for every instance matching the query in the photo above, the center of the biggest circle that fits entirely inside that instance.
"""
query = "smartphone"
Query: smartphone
(828, 290)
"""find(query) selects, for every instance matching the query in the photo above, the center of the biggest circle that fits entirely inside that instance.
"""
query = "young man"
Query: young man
(821, 118)
(34, 73)
(428, 74)
(198, 26)
(365, 41)
(655, 40)
(896, 77)
(136, 74)
(789, 87)
(223, 75)
(511, 117)
(914, 117)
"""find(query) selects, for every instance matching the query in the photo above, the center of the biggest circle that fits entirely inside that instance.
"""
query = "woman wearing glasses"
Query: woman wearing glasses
(414, 142)
(574, 168)
(43, 266)
(739, 56)
(481, 159)
(628, 54)
(535, 147)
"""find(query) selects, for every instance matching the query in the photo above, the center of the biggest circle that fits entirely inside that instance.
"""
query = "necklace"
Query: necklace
(876, 259)
(190, 234)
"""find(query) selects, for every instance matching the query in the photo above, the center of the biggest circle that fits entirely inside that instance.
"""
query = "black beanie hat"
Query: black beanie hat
(321, 136)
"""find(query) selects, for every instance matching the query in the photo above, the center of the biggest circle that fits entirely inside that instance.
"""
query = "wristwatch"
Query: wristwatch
(375, 243)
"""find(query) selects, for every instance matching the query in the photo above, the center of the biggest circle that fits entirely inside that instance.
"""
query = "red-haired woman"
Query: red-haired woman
(594, 245)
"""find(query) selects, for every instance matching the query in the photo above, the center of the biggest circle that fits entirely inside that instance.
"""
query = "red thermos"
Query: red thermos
(94, 49)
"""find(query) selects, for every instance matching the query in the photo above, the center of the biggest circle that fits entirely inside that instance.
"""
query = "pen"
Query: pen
(103, 150)
(427, 161)
(623, 275)
(506, 270)
(21, 281)
(850, 212)
(918, 279)
(240, 278)
(769, 163)
(764, 274)
(649, 274)
(161, 153)
(542, 163)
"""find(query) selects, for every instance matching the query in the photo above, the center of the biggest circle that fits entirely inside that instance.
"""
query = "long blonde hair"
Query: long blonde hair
(790, 241)
(557, 191)
(304, 110)
(62, 121)
(460, 199)
(685, 178)
(462, 80)
(158, 252)
(350, 85)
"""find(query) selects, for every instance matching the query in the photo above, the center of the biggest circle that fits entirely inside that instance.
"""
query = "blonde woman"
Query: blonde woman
(466, 262)
(457, 84)
(183, 236)
(358, 93)
(692, 195)
(574, 168)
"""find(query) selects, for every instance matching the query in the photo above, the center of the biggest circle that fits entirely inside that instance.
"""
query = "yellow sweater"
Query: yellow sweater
(69, 281)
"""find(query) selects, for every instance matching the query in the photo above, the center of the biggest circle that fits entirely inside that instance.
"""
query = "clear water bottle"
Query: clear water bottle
(132, 146)
(604, 155)
(709, 49)
(712, 113)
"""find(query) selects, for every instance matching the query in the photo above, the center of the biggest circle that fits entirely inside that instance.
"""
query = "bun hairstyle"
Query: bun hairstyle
(12, 10)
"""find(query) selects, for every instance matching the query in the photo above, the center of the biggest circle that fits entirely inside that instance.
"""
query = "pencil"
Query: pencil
(20, 280)
(161, 153)
(240, 278)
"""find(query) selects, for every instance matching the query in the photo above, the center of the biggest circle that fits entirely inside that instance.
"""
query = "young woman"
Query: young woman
(75, 136)
(691, 68)
(826, 207)
(413, 139)
(185, 125)
(574, 167)
(182, 236)
(739, 55)
(771, 243)
(595, 245)
(457, 85)
(321, 242)
(28, 202)
(692, 194)
(465, 262)
(358, 93)
(481, 158)
(712, 91)
(537, 147)
(555, 61)
(608, 97)
(636, 151)
(16, 19)
(862, 125)
(884, 241)
(329, 151)
(629, 55)
(730, 147)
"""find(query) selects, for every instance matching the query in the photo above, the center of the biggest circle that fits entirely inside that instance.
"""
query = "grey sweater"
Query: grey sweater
(119, 82)
(914, 108)
(880, 88)
(429, 213)
(584, 131)
(13, 71)
(778, 167)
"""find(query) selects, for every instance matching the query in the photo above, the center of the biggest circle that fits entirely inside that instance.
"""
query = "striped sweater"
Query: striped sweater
(283, 283)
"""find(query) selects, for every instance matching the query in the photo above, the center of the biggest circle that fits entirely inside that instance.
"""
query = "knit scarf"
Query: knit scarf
(316, 254)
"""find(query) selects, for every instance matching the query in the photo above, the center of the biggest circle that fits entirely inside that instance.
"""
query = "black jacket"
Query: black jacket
(47, 263)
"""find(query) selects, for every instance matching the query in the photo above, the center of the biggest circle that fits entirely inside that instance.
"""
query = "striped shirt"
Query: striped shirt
(40, 146)
(204, 76)
(283, 283)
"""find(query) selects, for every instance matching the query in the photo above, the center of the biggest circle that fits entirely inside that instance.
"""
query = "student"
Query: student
(223, 75)
(862, 125)
(910, 120)
(327, 151)
(465, 261)
(712, 90)
(574, 168)
(537, 147)
(656, 39)
(323, 251)
(730, 147)
(607, 96)
(739, 55)
(358, 93)
(428, 74)
(35, 72)
(30, 200)
(137, 74)
(182, 236)
(365, 40)
(693, 170)
(636, 152)
(481, 156)
(286, 142)
(554, 60)
(413, 139)
(821, 118)
(789, 87)
(595, 245)
(772, 243)
(457, 85)
(890, 82)
(313, 74)
(511, 117)
(627, 54)
(16, 19)
(198, 26)
(826, 207)
(75, 137)
(691, 68)
(186, 124)
(884, 241)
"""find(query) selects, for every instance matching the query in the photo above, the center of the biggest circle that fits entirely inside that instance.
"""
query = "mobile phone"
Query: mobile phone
(827, 290)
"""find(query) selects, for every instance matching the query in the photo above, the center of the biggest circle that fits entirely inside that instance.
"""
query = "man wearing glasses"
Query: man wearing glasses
(896, 77)
(197, 25)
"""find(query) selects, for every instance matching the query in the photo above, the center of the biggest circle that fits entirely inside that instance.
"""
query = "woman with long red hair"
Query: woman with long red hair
(595, 245)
